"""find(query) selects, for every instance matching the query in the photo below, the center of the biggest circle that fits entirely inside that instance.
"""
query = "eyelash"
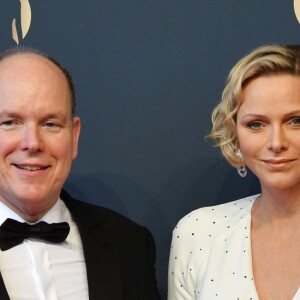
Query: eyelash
(8, 123)
(12, 124)
(254, 125)
(51, 124)
(295, 119)
(258, 124)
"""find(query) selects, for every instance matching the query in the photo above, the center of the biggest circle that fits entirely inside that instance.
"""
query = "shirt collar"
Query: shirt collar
(58, 213)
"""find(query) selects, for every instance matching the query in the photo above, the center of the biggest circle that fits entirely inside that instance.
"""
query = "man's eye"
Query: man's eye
(51, 124)
(295, 121)
(8, 123)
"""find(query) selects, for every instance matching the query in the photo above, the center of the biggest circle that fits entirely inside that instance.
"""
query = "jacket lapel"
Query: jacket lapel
(102, 263)
(99, 240)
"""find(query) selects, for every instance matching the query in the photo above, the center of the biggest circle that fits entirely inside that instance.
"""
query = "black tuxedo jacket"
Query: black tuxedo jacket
(119, 254)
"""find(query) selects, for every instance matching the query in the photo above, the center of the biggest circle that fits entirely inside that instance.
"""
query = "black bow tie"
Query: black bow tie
(12, 232)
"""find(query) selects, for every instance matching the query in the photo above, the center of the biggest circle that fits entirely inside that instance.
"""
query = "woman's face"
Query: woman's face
(268, 130)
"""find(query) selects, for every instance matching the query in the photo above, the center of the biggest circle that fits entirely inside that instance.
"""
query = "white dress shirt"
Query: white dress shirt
(36, 270)
(211, 254)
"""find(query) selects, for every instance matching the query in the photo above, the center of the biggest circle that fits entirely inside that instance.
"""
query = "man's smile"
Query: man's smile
(30, 167)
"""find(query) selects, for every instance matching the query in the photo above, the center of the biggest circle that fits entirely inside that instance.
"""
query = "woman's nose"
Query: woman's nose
(277, 141)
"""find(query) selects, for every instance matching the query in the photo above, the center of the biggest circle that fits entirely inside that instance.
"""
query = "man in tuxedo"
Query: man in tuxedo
(53, 246)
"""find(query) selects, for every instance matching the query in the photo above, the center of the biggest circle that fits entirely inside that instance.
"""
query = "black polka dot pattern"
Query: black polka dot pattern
(210, 255)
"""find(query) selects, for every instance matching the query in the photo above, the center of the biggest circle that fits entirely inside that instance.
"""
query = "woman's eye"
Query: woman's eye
(254, 125)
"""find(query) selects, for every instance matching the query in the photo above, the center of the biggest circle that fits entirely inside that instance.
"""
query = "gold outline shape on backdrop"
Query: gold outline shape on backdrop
(297, 9)
(25, 21)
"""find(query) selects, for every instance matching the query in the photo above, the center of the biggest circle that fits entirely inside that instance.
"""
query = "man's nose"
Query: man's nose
(32, 140)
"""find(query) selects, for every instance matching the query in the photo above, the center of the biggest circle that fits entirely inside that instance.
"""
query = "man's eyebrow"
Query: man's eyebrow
(9, 114)
(55, 115)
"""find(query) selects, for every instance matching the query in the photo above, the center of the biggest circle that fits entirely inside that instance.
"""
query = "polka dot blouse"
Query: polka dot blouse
(210, 255)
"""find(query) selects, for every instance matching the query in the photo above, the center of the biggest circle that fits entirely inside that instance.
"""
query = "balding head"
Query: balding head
(23, 51)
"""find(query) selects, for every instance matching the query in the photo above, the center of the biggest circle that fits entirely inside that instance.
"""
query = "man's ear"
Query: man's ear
(76, 134)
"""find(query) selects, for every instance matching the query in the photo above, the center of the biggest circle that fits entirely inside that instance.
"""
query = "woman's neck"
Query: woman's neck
(277, 208)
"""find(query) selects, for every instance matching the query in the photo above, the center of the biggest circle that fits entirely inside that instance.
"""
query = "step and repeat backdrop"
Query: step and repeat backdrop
(147, 74)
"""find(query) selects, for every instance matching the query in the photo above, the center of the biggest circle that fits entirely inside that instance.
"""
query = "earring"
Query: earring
(241, 170)
(239, 154)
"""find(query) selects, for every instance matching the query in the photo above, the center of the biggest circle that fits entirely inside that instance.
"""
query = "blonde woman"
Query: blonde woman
(249, 248)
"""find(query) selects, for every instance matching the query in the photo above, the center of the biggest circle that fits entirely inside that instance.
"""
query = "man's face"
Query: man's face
(38, 137)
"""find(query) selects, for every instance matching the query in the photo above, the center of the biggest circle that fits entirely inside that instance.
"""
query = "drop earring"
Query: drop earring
(241, 170)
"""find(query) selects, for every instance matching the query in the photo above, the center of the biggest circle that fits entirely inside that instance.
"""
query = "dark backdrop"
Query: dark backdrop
(147, 75)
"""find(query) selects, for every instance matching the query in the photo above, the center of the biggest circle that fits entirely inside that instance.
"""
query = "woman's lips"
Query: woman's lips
(278, 164)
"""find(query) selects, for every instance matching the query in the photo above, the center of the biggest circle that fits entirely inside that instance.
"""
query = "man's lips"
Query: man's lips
(30, 167)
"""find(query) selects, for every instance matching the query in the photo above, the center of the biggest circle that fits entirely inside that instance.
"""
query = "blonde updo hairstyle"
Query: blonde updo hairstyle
(266, 60)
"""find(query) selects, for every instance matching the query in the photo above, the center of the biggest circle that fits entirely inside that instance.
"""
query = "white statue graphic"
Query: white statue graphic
(25, 20)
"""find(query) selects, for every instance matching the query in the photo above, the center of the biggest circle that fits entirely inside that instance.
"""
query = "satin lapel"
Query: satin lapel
(3, 292)
(101, 253)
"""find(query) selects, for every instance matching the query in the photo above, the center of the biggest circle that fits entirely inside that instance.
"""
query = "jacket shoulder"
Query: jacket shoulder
(87, 213)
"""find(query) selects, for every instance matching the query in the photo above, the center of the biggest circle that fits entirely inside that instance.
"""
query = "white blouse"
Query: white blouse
(211, 256)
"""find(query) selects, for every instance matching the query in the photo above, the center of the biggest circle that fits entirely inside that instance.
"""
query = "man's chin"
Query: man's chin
(31, 207)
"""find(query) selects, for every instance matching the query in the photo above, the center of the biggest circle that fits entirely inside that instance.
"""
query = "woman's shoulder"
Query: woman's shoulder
(217, 216)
